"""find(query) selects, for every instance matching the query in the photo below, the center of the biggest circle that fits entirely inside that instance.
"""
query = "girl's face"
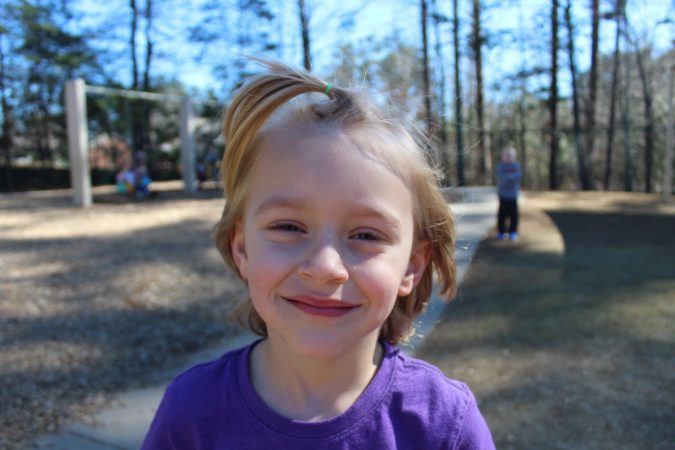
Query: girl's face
(326, 242)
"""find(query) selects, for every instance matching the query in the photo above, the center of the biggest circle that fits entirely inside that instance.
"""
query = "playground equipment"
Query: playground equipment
(78, 134)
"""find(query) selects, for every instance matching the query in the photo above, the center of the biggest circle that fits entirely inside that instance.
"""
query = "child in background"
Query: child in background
(334, 221)
(508, 185)
(125, 180)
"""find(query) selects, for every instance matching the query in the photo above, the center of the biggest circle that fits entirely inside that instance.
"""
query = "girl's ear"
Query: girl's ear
(419, 258)
(238, 249)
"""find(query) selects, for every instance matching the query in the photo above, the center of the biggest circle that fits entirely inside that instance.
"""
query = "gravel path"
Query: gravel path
(94, 301)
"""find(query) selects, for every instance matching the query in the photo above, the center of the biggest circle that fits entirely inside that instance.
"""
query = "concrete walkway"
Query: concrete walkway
(124, 427)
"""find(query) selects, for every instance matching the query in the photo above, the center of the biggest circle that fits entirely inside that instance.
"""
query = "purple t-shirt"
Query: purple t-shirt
(408, 404)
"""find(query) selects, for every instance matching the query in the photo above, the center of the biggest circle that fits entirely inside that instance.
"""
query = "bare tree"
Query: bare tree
(458, 97)
(618, 13)
(148, 45)
(140, 112)
(583, 178)
(647, 97)
(428, 119)
(145, 119)
(553, 100)
(136, 115)
(628, 170)
(522, 81)
(441, 121)
(132, 44)
(304, 31)
(592, 93)
(7, 115)
(476, 43)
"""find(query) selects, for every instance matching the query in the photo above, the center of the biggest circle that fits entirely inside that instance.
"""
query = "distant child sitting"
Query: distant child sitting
(133, 182)
(335, 222)
(125, 180)
(508, 185)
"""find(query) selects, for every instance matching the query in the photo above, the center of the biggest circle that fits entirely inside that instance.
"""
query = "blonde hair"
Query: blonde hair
(342, 110)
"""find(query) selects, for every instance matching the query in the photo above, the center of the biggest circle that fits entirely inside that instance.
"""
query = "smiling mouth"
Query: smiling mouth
(321, 307)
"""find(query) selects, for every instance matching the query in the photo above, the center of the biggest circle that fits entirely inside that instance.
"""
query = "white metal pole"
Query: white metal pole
(152, 96)
(187, 141)
(668, 173)
(78, 140)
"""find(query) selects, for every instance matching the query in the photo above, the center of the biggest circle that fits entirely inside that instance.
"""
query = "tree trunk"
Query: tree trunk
(628, 158)
(522, 111)
(45, 149)
(484, 162)
(6, 139)
(521, 138)
(458, 98)
(612, 98)
(592, 92)
(148, 44)
(145, 120)
(428, 119)
(583, 178)
(425, 69)
(132, 44)
(136, 127)
(442, 123)
(304, 29)
(649, 120)
(553, 100)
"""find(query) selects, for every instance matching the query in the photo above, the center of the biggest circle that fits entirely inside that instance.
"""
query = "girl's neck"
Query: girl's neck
(311, 389)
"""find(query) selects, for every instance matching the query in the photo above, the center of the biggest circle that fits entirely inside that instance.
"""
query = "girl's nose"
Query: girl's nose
(324, 265)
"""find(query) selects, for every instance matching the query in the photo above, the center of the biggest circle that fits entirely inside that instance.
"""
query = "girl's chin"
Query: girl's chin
(323, 346)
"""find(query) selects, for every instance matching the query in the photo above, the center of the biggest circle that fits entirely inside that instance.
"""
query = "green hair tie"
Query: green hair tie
(328, 87)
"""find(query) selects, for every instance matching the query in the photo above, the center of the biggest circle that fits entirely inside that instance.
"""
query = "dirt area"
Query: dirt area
(94, 301)
(567, 336)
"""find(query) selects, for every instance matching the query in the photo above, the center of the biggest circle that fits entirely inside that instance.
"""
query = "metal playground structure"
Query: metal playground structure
(78, 134)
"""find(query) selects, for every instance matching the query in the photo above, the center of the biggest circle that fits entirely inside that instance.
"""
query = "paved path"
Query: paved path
(123, 427)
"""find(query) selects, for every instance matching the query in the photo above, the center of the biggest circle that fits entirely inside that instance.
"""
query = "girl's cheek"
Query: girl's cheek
(274, 256)
(380, 280)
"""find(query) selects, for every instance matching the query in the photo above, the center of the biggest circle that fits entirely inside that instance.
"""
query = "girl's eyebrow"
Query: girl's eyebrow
(376, 213)
(278, 202)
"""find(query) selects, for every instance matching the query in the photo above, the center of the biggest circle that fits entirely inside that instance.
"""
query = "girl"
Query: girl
(334, 221)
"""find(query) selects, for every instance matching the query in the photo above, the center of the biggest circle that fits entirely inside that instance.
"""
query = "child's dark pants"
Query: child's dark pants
(508, 208)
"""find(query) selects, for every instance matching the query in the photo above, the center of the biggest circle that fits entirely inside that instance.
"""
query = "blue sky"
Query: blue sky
(176, 56)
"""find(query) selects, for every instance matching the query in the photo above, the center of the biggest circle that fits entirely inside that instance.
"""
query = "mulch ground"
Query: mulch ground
(567, 337)
(96, 301)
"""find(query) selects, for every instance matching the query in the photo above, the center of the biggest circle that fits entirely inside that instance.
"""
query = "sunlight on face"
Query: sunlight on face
(325, 242)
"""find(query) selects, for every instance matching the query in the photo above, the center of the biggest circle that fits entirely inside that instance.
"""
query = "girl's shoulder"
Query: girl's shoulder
(193, 389)
(420, 379)
(421, 393)
(191, 402)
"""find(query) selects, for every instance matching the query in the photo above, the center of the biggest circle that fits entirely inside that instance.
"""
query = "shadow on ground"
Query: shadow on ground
(85, 317)
(572, 348)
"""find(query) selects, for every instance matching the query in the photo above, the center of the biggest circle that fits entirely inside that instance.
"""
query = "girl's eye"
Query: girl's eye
(286, 227)
(367, 236)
